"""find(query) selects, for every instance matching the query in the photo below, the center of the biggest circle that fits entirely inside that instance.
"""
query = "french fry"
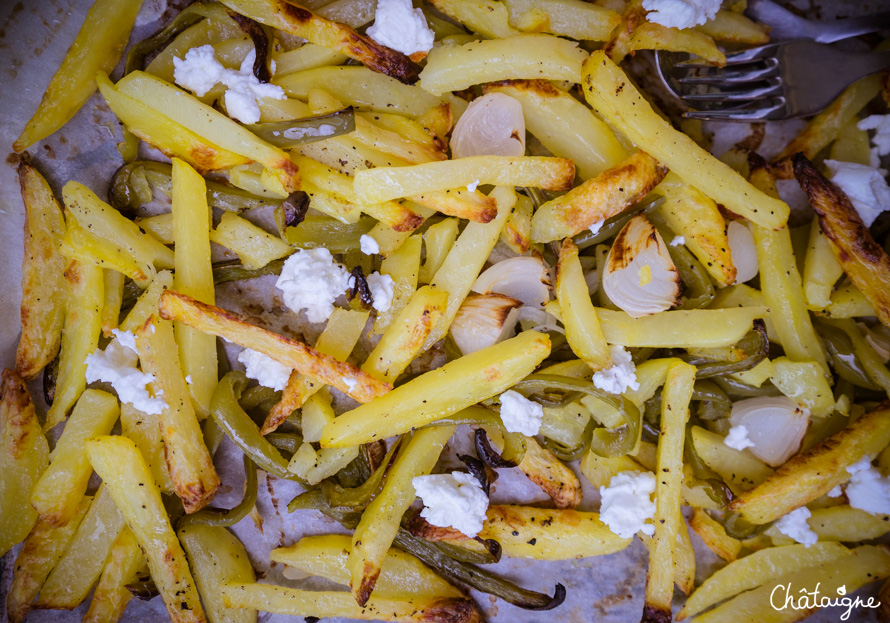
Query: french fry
(668, 519)
(216, 558)
(111, 306)
(741, 470)
(80, 244)
(566, 18)
(376, 137)
(80, 336)
(821, 269)
(147, 304)
(805, 383)
(128, 479)
(487, 17)
(548, 472)
(337, 340)
(865, 262)
(597, 199)
(679, 328)
(529, 57)
(295, 602)
(757, 569)
(301, 22)
(291, 353)
(43, 275)
(307, 56)
(649, 36)
(401, 573)
(405, 337)
(438, 393)
(734, 27)
(60, 489)
(460, 202)
(564, 125)
(517, 231)
(81, 565)
(583, 331)
(380, 520)
(599, 470)
(841, 523)
(848, 302)
(41, 550)
(714, 535)
(465, 260)
(97, 47)
(613, 97)
(254, 246)
(403, 265)
(24, 454)
(852, 144)
(189, 463)
(438, 240)
(815, 472)
(111, 596)
(194, 276)
(384, 184)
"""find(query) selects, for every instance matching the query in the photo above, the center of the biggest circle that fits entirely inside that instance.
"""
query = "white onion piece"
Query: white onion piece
(877, 341)
(744, 253)
(640, 277)
(776, 426)
(524, 278)
(492, 125)
(536, 319)
(484, 320)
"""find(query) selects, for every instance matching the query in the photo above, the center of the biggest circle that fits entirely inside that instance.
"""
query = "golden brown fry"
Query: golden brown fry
(649, 36)
(296, 20)
(111, 596)
(460, 202)
(714, 535)
(815, 472)
(597, 199)
(734, 27)
(43, 274)
(864, 261)
(552, 475)
(292, 353)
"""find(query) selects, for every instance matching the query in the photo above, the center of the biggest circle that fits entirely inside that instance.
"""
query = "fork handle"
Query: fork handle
(786, 25)
(852, 27)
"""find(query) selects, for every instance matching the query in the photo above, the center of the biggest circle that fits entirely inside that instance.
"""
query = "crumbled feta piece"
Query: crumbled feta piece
(200, 71)
(188, 379)
(881, 139)
(382, 288)
(311, 280)
(867, 489)
(596, 227)
(795, 526)
(398, 25)
(472, 187)
(369, 246)
(264, 369)
(453, 500)
(521, 415)
(350, 383)
(738, 439)
(622, 375)
(681, 13)
(836, 492)
(627, 505)
(865, 186)
(677, 241)
(117, 365)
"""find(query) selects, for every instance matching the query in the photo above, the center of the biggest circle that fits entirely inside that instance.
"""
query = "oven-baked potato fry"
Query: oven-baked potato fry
(740, 470)
(254, 246)
(43, 274)
(583, 331)
(567, 18)
(713, 534)
(865, 262)
(489, 18)
(555, 479)
(111, 597)
(289, 352)
(821, 269)
(679, 328)
(128, 479)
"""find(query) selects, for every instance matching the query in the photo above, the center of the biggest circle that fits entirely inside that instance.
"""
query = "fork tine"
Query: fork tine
(739, 76)
(739, 114)
(737, 58)
(746, 95)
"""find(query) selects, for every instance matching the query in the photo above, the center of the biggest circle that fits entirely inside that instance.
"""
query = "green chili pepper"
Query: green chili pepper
(213, 435)
(711, 482)
(738, 528)
(535, 194)
(565, 453)
(187, 18)
(871, 362)
(288, 443)
(234, 271)
(289, 134)
(238, 426)
(514, 443)
(612, 225)
(843, 354)
(357, 471)
(323, 231)
(738, 389)
(462, 554)
(252, 397)
(359, 497)
(228, 517)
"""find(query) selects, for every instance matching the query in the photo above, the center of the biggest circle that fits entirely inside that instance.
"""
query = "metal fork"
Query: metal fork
(775, 81)
(785, 25)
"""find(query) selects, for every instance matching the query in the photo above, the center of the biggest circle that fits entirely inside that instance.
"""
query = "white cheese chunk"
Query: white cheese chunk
(867, 489)
(681, 13)
(401, 27)
(311, 280)
(627, 506)
(795, 526)
(382, 288)
(865, 186)
(738, 439)
(117, 365)
(453, 500)
(622, 375)
(521, 415)
(263, 369)
(368, 245)
(678, 240)
(596, 227)
(881, 139)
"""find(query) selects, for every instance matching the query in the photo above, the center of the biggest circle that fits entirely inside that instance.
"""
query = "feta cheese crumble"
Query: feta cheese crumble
(681, 13)
(626, 506)
(382, 288)
(867, 489)
(881, 139)
(738, 439)
(836, 492)
(117, 365)
(677, 241)
(311, 280)
(596, 227)
(622, 375)
(865, 186)
(453, 500)
(399, 26)
(369, 246)
(795, 526)
(472, 187)
(200, 71)
(521, 415)
(264, 369)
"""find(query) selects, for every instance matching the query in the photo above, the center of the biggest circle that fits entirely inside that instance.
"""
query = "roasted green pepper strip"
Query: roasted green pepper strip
(238, 426)
(358, 498)
(738, 528)
(713, 485)
(256, 395)
(462, 554)
(564, 453)
(612, 225)
(323, 231)
(289, 134)
(535, 194)
(224, 273)
(286, 442)
(228, 517)
(738, 389)
(514, 443)
(843, 354)
(715, 404)
(755, 345)
(871, 363)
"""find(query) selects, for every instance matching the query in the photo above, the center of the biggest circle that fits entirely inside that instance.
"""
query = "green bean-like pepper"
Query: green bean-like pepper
(323, 231)
(208, 516)
(739, 389)
(738, 528)
(234, 271)
(213, 435)
(238, 426)
(535, 194)
(474, 557)
(844, 359)
(565, 453)
(612, 225)
(357, 498)
(289, 134)
(187, 18)
(288, 443)
(710, 481)
(871, 362)
(514, 443)
(754, 345)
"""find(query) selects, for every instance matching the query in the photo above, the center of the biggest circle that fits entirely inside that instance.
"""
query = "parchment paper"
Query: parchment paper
(33, 40)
